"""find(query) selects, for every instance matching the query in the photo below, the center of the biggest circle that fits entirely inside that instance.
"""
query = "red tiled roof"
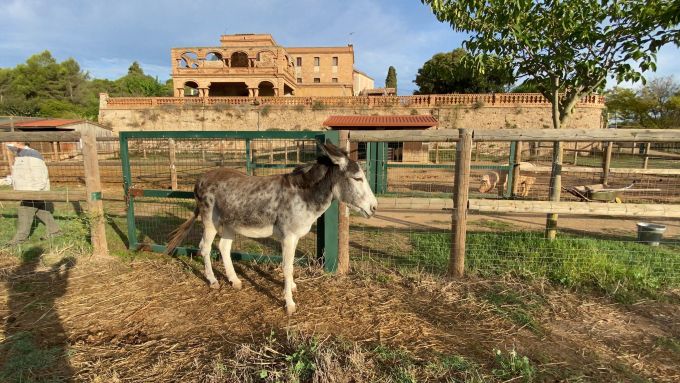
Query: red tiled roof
(408, 121)
(47, 123)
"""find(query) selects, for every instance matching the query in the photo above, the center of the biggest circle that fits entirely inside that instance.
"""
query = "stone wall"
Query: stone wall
(222, 116)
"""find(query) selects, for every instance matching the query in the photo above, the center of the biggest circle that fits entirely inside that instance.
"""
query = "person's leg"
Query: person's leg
(25, 213)
(44, 213)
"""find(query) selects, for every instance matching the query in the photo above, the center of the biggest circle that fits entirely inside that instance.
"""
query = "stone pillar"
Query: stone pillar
(203, 92)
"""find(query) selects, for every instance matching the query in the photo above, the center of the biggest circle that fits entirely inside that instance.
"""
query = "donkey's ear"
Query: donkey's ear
(336, 155)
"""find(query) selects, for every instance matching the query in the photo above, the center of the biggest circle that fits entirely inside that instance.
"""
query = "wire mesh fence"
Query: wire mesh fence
(174, 163)
(412, 230)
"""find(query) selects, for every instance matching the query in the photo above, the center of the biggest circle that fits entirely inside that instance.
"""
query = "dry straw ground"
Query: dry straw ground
(154, 319)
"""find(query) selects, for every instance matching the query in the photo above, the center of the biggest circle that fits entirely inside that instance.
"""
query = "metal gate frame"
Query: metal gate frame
(326, 225)
(377, 167)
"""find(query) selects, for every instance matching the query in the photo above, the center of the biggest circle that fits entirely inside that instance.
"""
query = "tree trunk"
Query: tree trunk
(556, 173)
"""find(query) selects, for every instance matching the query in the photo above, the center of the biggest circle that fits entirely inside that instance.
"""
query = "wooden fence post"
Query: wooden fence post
(460, 203)
(516, 168)
(343, 220)
(173, 168)
(606, 162)
(94, 194)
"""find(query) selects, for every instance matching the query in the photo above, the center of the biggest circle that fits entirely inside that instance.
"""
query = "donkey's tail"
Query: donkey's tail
(179, 235)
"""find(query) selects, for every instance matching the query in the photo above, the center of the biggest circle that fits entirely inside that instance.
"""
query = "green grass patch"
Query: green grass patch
(515, 307)
(26, 361)
(624, 269)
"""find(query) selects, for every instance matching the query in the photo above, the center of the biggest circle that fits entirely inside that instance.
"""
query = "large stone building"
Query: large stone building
(252, 65)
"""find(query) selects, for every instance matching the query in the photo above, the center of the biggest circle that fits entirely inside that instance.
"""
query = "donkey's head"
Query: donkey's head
(351, 186)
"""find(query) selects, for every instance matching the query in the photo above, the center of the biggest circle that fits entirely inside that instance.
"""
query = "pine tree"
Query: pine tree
(391, 80)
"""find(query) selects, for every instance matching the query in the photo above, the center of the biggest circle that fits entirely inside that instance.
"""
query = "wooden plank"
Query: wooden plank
(525, 167)
(527, 135)
(576, 208)
(412, 203)
(40, 136)
(460, 202)
(94, 188)
(48, 196)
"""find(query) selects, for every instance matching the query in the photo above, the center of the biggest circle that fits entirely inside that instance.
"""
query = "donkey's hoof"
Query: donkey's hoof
(290, 308)
(236, 284)
(294, 287)
(214, 285)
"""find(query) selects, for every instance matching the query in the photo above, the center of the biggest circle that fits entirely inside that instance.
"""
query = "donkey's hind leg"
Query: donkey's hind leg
(226, 238)
(209, 233)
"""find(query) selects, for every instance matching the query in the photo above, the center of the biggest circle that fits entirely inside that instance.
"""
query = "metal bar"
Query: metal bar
(127, 185)
(248, 158)
(300, 135)
(327, 225)
(509, 188)
(235, 255)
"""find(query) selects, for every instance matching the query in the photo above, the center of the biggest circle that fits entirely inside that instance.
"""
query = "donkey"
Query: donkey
(280, 206)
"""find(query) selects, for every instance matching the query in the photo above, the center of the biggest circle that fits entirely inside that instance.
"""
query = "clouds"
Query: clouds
(105, 37)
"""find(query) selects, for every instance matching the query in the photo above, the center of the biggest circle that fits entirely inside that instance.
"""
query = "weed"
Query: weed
(671, 344)
(513, 366)
(26, 361)
(265, 110)
(414, 112)
(477, 104)
(516, 308)
(299, 108)
(318, 105)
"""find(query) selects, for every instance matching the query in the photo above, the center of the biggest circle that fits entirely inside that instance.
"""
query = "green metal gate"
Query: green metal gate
(151, 160)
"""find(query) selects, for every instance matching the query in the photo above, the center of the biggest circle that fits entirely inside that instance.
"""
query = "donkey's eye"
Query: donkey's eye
(358, 179)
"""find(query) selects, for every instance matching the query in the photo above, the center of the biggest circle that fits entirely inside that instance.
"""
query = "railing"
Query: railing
(434, 100)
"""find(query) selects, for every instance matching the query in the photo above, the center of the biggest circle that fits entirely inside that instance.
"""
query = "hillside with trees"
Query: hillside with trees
(653, 105)
(43, 87)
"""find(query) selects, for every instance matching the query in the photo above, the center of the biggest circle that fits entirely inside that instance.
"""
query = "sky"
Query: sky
(106, 36)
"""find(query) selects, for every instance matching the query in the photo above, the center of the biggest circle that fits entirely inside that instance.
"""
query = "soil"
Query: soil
(155, 319)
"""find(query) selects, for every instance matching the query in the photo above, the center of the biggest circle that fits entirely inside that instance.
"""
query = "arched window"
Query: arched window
(266, 89)
(188, 60)
(190, 89)
(239, 60)
(213, 56)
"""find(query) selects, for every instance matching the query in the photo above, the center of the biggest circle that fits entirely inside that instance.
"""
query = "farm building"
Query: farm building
(54, 150)
(396, 151)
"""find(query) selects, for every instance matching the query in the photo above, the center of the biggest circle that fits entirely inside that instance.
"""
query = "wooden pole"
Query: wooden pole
(343, 220)
(555, 189)
(606, 162)
(94, 194)
(575, 153)
(645, 163)
(173, 168)
(516, 169)
(436, 152)
(55, 150)
(460, 203)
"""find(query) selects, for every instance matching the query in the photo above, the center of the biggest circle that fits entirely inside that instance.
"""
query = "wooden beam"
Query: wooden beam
(576, 208)
(527, 135)
(585, 169)
(343, 220)
(48, 196)
(69, 136)
(460, 202)
(94, 192)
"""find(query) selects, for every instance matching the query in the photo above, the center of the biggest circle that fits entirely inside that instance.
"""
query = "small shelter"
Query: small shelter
(396, 151)
(58, 149)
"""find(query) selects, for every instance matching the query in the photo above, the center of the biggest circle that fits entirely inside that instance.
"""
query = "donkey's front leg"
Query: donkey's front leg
(289, 244)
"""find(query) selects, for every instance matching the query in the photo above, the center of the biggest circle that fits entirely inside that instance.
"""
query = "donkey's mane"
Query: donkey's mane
(310, 174)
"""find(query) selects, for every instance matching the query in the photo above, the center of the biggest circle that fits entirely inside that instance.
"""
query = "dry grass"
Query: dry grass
(154, 319)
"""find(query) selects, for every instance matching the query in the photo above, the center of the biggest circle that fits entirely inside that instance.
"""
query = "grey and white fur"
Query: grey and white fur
(280, 206)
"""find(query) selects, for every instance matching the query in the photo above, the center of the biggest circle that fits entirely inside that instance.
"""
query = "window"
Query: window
(299, 61)
(335, 61)
(317, 80)
(299, 80)
(316, 61)
(335, 79)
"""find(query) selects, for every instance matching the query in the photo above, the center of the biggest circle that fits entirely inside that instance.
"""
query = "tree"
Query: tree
(568, 48)
(391, 80)
(448, 73)
(654, 105)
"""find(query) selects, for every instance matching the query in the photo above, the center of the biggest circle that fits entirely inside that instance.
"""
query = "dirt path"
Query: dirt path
(155, 320)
